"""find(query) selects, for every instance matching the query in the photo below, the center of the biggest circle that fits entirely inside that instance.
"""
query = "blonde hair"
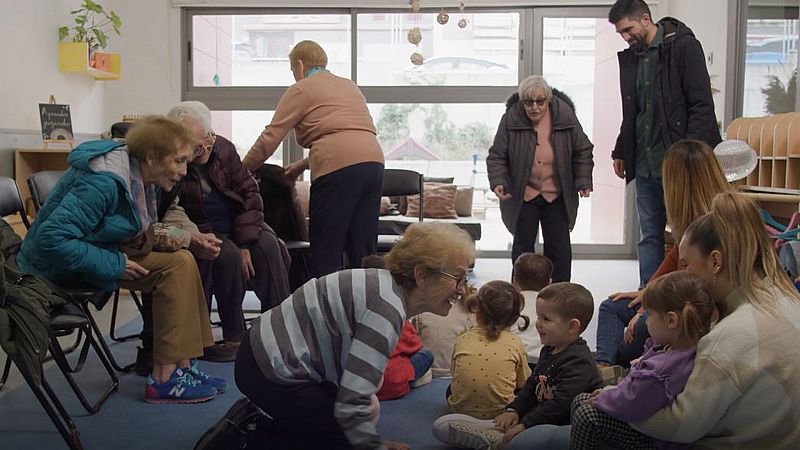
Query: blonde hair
(692, 177)
(310, 53)
(734, 228)
(157, 138)
(431, 245)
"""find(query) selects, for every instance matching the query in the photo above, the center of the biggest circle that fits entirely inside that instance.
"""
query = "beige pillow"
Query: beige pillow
(464, 201)
(440, 202)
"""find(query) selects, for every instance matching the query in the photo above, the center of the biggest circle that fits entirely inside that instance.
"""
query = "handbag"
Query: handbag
(244, 426)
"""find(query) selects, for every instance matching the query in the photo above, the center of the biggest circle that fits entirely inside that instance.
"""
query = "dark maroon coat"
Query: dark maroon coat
(228, 175)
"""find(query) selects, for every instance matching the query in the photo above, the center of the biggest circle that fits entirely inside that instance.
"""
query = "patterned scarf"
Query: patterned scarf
(144, 197)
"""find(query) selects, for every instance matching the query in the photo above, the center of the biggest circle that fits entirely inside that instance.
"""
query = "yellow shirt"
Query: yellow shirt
(485, 373)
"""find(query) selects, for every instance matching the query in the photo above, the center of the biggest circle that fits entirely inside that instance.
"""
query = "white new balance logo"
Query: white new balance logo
(177, 391)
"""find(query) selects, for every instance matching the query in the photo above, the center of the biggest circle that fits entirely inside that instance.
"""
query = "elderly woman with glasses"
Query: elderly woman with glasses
(315, 362)
(220, 196)
(541, 160)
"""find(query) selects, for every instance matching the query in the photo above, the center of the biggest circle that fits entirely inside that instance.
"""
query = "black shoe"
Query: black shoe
(219, 353)
(144, 362)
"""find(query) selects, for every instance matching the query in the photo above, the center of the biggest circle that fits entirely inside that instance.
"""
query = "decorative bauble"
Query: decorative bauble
(417, 59)
(414, 35)
(442, 18)
(462, 23)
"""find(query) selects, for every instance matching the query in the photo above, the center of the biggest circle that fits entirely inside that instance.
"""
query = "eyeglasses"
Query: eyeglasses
(208, 141)
(538, 101)
(460, 281)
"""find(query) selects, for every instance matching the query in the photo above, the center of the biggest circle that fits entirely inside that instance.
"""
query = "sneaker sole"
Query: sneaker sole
(164, 401)
(469, 436)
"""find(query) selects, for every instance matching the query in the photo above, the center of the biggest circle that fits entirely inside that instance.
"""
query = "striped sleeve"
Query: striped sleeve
(379, 317)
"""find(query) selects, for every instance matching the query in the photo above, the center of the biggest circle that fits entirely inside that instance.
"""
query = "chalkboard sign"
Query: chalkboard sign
(56, 123)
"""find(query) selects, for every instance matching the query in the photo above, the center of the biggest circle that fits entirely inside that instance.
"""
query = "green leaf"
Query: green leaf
(92, 6)
(101, 37)
(76, 11)
(116, 21)
(80, 20)
(63, 33)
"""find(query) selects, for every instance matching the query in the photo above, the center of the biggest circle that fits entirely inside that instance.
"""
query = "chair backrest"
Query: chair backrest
(403, 182)
(40, 185)
(11, 201)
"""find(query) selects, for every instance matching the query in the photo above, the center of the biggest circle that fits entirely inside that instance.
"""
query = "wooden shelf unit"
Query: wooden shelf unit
(74, 57)
(30, 160)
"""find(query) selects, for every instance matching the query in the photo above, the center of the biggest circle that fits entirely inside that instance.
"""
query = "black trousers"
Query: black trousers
(303, 414)
(555, 231)
(343, 217)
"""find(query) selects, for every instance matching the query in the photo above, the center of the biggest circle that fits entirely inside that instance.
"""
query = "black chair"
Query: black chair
(41, 184)
(399, 182)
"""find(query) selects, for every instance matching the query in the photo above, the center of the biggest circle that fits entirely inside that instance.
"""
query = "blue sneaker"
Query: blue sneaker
(207, 380)
(180, 388)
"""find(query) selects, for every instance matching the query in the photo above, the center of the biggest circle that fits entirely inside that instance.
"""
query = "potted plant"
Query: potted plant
(91, 24)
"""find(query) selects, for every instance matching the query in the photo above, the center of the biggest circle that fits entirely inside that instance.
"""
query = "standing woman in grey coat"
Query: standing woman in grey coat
(540, 161)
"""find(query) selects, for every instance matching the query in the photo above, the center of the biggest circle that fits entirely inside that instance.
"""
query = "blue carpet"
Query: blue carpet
(127, 422)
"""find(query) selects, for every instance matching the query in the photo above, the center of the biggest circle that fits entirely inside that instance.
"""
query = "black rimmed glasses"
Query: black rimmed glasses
(460, 281)
(537, 101)
(208, 141)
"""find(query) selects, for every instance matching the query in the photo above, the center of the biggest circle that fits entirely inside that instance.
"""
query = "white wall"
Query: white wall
(29, 51)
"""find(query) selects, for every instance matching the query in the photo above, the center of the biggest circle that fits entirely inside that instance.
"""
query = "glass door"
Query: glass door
(576, 51)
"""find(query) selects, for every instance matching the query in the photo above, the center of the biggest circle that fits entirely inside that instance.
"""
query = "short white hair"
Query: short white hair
(192, 111)
(530, 84)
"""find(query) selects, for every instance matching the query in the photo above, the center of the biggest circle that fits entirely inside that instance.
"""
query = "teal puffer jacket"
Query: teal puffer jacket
(76, 235)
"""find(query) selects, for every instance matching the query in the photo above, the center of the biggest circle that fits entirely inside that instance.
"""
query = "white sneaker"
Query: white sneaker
(423, 380)
(465, 431)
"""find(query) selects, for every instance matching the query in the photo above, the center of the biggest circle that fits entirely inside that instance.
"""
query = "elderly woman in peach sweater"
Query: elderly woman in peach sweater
(330, 117)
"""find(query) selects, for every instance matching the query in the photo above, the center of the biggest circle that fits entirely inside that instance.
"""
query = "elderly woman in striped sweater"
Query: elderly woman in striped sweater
(315, 362)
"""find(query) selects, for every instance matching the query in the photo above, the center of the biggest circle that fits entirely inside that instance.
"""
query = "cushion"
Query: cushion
(440, 202)
(303, 188)
(464, 201)
(385, 205)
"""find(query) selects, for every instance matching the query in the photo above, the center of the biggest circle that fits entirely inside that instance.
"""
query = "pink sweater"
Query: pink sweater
(330, 117)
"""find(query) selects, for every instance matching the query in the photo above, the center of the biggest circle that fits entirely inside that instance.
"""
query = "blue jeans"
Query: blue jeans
(652, 221)
(421, 361)
(612, 319)
(541, 437)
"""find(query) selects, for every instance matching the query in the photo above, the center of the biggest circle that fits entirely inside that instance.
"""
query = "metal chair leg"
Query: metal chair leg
(6, 371)
(65, 425)
(102, 342)
(113, 326)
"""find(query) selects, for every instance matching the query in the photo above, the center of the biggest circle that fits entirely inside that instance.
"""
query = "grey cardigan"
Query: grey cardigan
(511, 156)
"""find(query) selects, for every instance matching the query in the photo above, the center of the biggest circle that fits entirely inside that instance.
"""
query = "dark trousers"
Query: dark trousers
(223, 278)
(303, 414)
(555, 231)
(343, 217)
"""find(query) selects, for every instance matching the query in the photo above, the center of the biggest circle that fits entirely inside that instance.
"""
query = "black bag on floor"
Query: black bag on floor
(244, 426)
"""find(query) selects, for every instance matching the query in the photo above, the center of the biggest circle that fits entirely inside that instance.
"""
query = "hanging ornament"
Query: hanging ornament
(463, 22)
(415, 5)
(417, 59)
(414, 35)
(442, 18)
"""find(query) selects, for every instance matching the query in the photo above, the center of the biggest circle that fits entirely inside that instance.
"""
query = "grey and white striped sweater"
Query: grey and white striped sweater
(340, 328)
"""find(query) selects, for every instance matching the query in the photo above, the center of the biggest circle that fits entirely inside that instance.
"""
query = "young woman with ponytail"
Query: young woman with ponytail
(680, 312)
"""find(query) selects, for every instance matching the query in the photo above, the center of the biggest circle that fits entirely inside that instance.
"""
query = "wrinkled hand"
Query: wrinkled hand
(247, 264)
(511, 432)
(205, 245)
(584, 192)
(500, 192)
(133, 271)
(619, 168)
(390, 445)
(294, 170)
(631, 326)
(634, 296)
(506, 420)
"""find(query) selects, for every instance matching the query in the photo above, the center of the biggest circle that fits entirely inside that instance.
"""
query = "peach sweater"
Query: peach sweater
(330, 117)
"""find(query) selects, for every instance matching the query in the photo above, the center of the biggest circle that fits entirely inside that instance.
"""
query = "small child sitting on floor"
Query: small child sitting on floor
(532, 273)
(565, 369)
(489, 363)
(680, 313)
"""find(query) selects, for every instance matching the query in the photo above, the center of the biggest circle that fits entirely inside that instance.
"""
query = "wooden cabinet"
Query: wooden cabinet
(30, 160)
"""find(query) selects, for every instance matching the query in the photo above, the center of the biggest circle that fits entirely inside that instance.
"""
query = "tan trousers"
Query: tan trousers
(180, 317)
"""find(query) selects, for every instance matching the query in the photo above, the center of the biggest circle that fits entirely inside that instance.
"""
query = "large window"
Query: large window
(438, 117)
(770, 73)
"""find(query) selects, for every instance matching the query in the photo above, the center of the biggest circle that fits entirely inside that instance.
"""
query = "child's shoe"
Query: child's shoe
(423, 380)
(180, 388)
(464, 431)
(207, 380)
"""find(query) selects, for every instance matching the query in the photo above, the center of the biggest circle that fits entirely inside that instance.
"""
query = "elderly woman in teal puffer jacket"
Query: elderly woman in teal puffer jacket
(97, 228)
